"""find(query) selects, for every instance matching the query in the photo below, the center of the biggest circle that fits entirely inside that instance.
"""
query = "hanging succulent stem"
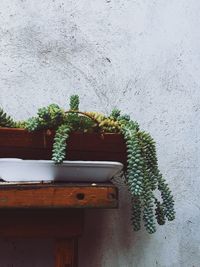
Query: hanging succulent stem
(136, 213)
(143, 177)
(168, 201)
(60, 143)
(160, 215)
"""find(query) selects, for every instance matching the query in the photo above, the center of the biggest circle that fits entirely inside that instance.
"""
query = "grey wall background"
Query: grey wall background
(142, 56)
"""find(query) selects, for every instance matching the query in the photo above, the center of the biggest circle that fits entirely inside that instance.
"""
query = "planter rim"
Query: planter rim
(53, 131)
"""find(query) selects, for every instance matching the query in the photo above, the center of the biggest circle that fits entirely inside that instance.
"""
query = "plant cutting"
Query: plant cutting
(143, 178)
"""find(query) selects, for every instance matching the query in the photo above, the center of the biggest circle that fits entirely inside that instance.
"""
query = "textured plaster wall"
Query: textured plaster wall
(142, 56)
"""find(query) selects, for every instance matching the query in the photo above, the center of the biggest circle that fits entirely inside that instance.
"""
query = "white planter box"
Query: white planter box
(18, 170)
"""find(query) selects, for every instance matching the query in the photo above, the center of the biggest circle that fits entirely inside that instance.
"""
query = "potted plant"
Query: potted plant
(94, 136)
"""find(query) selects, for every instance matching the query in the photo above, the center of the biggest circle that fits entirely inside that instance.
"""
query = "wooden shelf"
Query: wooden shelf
(55, 210)
(48, 195)
(52, 211)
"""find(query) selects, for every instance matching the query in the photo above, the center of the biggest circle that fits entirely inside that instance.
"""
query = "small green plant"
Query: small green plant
(5, 120)
(143, 177)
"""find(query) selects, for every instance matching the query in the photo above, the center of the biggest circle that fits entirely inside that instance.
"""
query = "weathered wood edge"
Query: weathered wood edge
(58, 196)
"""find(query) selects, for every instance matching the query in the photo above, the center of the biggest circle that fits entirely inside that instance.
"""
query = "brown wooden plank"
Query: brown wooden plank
(59, 196)
(46, 154)
(32, 223)
(44, 139)
(66, 253)
(25, 153)
(92, 141)
(81, 146)
(22, 138)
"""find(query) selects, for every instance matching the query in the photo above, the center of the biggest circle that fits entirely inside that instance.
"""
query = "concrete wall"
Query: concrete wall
(140, 55)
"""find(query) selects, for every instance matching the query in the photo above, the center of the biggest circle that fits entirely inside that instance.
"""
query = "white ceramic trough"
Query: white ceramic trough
(18, 170)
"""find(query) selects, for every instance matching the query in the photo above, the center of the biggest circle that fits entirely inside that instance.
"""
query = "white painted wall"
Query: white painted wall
(144, 57)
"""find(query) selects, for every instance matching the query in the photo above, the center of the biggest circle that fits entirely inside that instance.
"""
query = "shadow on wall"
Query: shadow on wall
(26, 252)
(108, 237)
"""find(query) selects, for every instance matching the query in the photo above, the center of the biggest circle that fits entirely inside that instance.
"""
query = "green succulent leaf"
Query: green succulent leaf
(60, 143)
(5, 120)
(115, 113)
(74, 102)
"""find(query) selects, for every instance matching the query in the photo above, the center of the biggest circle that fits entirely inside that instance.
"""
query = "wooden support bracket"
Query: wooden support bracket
(66, 253)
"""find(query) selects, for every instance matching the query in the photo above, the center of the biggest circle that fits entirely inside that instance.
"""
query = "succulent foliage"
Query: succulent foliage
(47, 118)
(60, 144)
(74, 102)
(143, 177)
(5, 120)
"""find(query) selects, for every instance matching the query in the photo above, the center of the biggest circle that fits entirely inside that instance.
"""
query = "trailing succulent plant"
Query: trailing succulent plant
(143, 177)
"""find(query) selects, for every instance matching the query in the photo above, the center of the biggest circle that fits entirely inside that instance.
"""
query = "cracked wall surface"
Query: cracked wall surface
(141, 56)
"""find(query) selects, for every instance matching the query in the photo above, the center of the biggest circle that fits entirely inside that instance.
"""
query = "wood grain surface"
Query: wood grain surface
(58, 196)
(81, 146)
(66, 253)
